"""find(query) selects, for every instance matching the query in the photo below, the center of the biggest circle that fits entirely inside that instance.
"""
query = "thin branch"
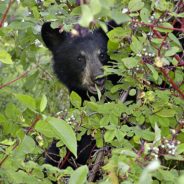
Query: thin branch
(18, 78)
(158, 26)
(38, 117)
(98, 161)
(4, 159)
(6, 13)
(164, 72)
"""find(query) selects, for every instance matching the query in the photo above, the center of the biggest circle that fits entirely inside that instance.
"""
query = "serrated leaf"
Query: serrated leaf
(5, 57)
(27, 100)
(43, 103)
(79, 176)
(75, 99)
(130, 62)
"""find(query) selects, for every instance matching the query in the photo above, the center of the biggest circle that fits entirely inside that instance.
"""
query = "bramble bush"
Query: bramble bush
(139, 132)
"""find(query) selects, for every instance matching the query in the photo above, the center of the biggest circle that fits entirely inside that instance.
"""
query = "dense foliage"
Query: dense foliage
(141, 136)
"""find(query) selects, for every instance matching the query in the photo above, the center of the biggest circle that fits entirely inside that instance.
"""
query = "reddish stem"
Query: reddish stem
(63, 162)
(6, 13)
(158, 26)
(18, 78)
(38, 117)
(162, 44)
(17, 143)
(164, 72)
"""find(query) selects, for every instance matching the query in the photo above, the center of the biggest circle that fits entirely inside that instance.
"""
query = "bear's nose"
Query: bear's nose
(100, 81)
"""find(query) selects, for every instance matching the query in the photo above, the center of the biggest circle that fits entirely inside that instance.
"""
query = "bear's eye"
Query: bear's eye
(81, 58)
(103, 57)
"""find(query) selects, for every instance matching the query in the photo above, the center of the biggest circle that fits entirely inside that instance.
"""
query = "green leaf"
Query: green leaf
(135, 5)
(172, 51)
(157, 134)
(95, 7)
(164, 27)
(12, 111)
(118, 17)
(117, 34)
(27, 100)
(175, 39)
(179, 76)
(180, 148)
(154, 71)
(136, 45)
(144, 14)
(46, 129)
(27, 146)
(166, 113)
(75, 99)
(130, 62)
(87, 16)
(109, 135)
(146, 176)
(65, 133)
(177, 14)
(43, 103)
(79, 176)
(5, 57)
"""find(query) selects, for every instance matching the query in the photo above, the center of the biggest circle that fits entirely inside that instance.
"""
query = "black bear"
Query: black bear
(78, 59)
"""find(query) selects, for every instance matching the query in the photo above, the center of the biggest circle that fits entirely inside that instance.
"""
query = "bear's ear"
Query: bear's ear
(51, 37)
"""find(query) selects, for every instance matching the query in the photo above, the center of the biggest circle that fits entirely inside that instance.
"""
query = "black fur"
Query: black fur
(78, 58)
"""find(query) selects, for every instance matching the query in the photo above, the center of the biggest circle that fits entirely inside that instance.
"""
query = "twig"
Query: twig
(96, 166)
(18, 78)
(38, 117)
(157, 26)
(6, 13)
(63, 162)
(4, 159)
(164, 72)
(17, 143)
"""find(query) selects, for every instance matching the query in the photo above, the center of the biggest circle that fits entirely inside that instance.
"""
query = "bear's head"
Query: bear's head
(78, 57)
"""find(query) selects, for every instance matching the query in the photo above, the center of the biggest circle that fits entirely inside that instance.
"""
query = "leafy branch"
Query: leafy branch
(18, 78)
(37, 118)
